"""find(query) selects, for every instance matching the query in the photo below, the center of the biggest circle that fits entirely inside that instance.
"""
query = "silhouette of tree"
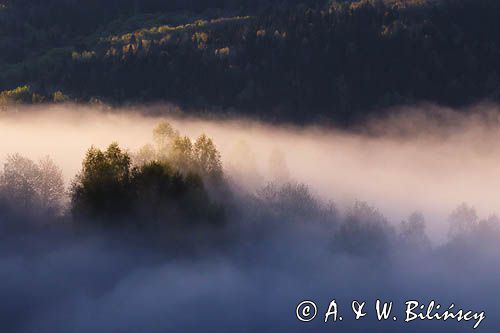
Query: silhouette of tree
(207, 158)
(164, 135)
(50, 185)
(32, 188)
(181, 154)
(166, 198)
(102, 189)
(412, 232)
(19, 182)
(364, 231)
(462, 221)
(110, 192)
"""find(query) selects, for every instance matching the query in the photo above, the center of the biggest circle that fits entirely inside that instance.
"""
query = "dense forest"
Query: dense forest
(279, 60)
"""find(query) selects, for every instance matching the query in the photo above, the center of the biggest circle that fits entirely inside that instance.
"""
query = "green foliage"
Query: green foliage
(59, 97)
(25, 95)
(102, 189)
(206, 157)
(166, 198)
(181, 155)
(144, 155)
(163, 135)
(109, 191)
(303, 60)
(200, 157)
(16, 96)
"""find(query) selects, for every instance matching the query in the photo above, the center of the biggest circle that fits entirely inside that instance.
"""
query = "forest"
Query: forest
(175, 185)
(296, 61)
(209, 165)
(169, 222)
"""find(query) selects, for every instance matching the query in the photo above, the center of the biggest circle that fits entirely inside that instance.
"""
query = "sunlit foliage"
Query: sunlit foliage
(19, 95)
(200, 157)
(110, 192)
(293, 60)
(102, 189)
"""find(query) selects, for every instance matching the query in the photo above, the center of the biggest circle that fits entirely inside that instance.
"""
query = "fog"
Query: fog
(251, 275)
(425, 159)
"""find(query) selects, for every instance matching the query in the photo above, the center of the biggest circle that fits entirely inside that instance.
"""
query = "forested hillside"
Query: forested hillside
(282, 60)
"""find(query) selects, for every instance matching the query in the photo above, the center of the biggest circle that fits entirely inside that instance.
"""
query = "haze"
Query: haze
(402, 166)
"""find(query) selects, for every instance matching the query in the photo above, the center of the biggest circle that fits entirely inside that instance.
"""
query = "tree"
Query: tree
(489, 228)
(110, 192)
(101, 190)
(31, 187)
(292, 202)
(181, 154)
(364, 231)
(207, 158)
(19, 182)
(165, 198)
(412, 231)
(290, 197)
(164, 135)
(178, 151)
(19, 95)
(145, 155)
(462, 221)
(59, 97)
(50, 185)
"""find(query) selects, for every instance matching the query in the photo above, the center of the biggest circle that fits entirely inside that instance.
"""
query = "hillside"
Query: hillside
(281, 60)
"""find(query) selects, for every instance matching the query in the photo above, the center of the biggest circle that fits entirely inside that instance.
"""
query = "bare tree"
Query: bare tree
(18, 182)
(31, 187)
(50, 185)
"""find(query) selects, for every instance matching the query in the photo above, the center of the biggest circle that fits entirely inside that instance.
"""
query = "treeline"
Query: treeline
(162, 186)
(176, 187)
(28, 27)
(286, 61)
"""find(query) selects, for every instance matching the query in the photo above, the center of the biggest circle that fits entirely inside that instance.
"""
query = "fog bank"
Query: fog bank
(425, 159)
(279, 245)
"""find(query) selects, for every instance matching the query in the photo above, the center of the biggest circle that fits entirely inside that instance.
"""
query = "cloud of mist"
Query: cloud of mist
(280, 246)
(99, 284)
(425, 159)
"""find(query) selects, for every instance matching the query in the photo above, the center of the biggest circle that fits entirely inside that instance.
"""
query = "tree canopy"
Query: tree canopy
(110, 191)
(282, 60)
